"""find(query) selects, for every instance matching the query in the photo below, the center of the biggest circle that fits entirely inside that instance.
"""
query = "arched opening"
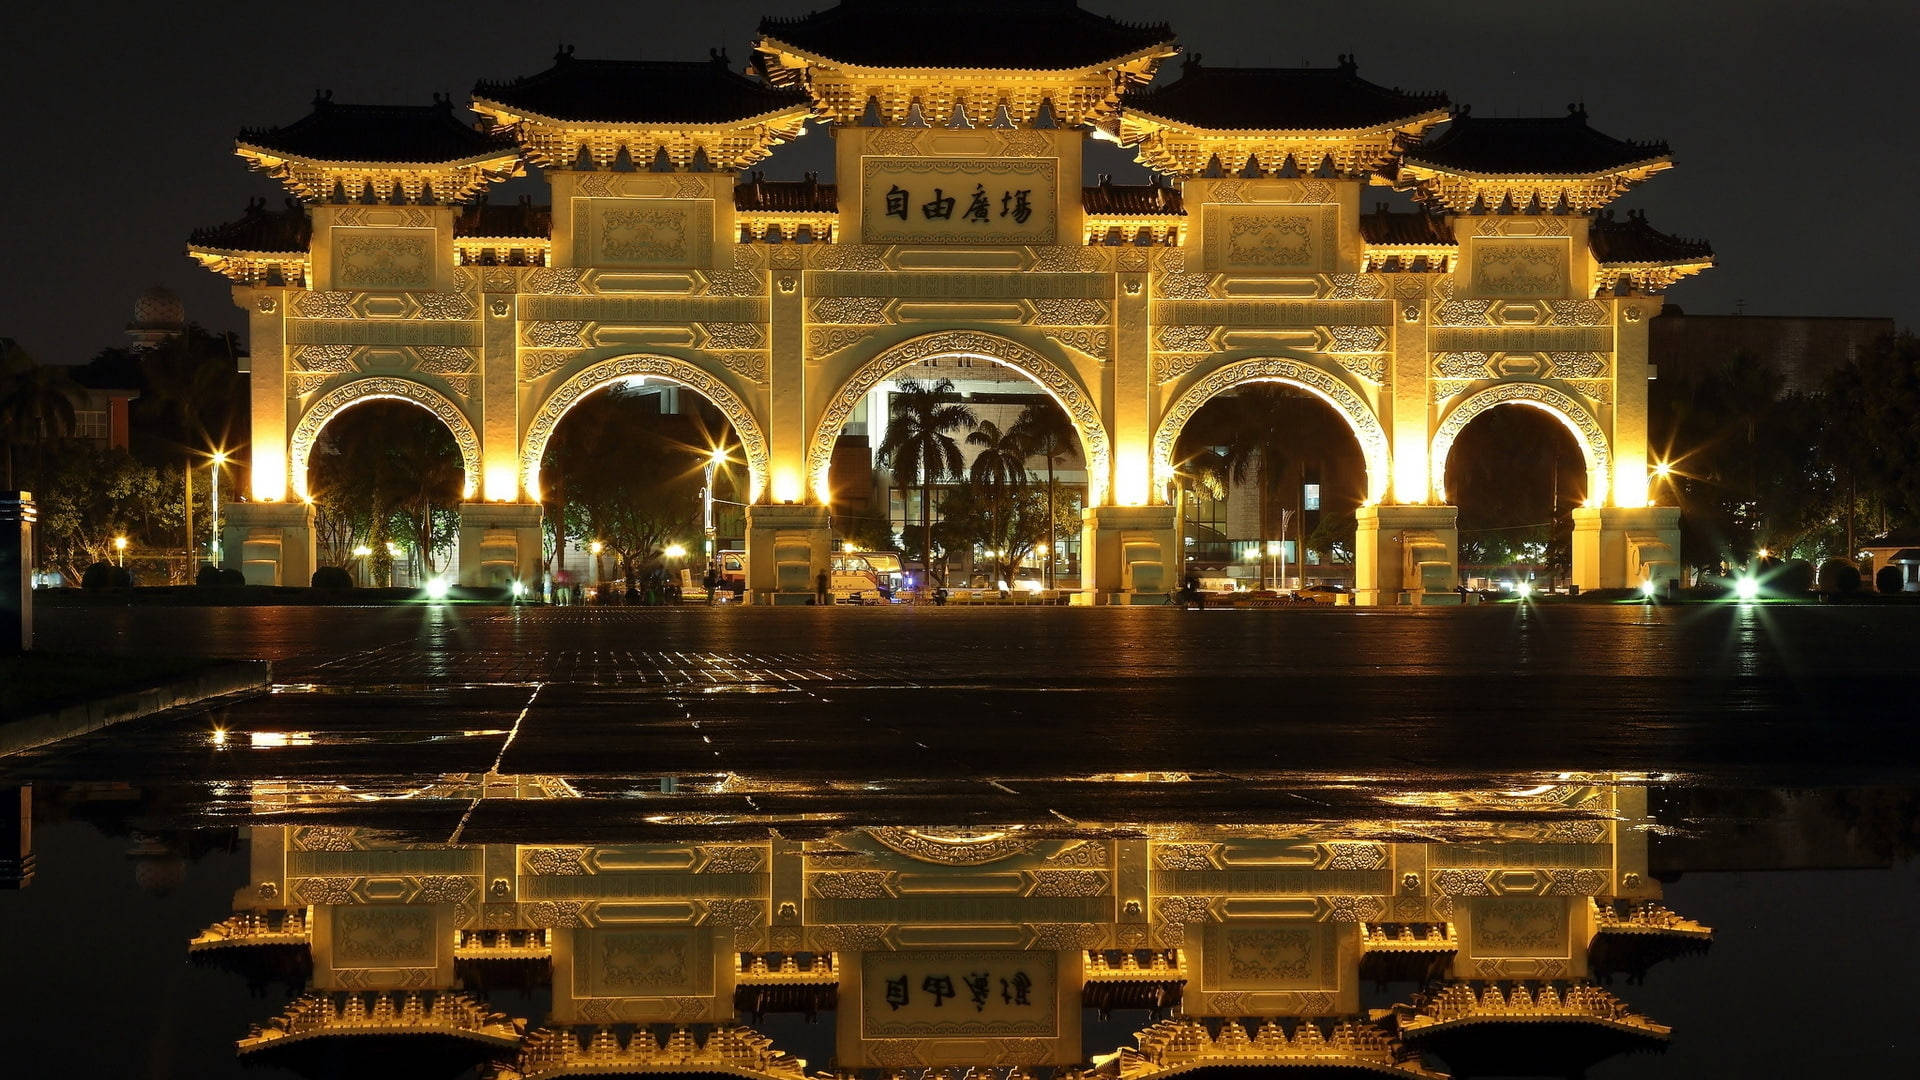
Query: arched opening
(386, 478)
(970, 455)
(1516, 475)
(1266, 476)
(643, 484)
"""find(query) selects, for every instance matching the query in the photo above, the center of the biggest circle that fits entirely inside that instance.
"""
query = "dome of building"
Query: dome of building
(159, 308)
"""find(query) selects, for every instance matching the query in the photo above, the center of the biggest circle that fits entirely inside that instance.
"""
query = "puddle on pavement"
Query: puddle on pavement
(1566, 924)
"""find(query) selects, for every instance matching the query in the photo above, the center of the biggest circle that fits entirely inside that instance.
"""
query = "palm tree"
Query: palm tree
(1046, 431)
(1003, 456)
(36, 401)
(918, 446)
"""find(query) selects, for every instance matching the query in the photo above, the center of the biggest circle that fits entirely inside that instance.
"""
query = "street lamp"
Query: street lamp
(596, 548)
(715, 458)
(213, 543)
(361, 553)
(120, 550)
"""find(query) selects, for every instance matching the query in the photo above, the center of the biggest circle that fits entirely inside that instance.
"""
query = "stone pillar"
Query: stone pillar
(1129, 555)
(271, 543)
(787, 547)
(16, 572)
(1407, 551)
(1619, 547)
(16, 837)
(500, 544)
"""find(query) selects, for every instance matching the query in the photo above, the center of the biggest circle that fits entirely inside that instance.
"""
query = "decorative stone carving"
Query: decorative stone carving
(848, 310)
(1182, 910)
(1186, 338)
(1066, 260)
(1356, 856)
(1067, 935)
(853, 884)
(1183, 856)
(1069, 311)
(1371, 368)
(324, 305)
(445, 889)
(332, 359)
(1069, 882)
(555, 334)
(325, 890)
(1355, 287)
(445, 360)
(1357, 339)
(753, 439)
(1366, 426)
(1170, 366)
(1519, 267)
(1355, 908)
(537, 362)
(733, 335)
(444, 305)
(1088, 854)
(549, 281)
(1096, 342)
(1057, 381)
(736, 914)
(555, 862)
(322, 838)
(823, 340)
(1467, 365)
(1580, 365)
(1462, 883)
(383, 259)
(751, 366)
(555, 913)
(848, 938)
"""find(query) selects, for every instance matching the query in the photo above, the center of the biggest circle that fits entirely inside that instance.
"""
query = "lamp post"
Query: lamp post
(596, 548)
(714, 457)
(213, 542)
(361, 553)
(120, 551)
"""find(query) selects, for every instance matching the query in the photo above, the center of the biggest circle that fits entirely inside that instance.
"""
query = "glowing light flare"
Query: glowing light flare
(1647, 588)
(675, 551)
(1132, 478)
(1629, 485)
(502, 483)
(268, 478)
(1746, 588)
(787, 487)
(1523, 589)
(437, 588)
(362, 551)
(1662, 469)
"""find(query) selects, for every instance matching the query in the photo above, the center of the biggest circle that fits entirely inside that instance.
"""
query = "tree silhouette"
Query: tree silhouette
(918, 448)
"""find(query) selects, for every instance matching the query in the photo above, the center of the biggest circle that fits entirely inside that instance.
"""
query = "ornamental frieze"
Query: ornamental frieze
(732, 335)
(1356, 339)
(825, 340)
(381, 332)
(1170, 366)
(1569, 339)
(1576, 365)
(644, 309)
(960, 285)
(535, 363)
(1067, 311)
(751, 366)
(848, 310)
(1096, 342)
(1186, 338)
(552, 334)
(1276, 312)
(1371, 368)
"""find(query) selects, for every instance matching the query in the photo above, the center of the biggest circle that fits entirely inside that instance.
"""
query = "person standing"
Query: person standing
(820, 594)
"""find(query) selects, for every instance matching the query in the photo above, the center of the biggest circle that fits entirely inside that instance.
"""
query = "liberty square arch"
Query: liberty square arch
(956, 223)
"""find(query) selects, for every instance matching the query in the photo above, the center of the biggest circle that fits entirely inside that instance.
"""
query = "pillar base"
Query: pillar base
(1129, 555)
(1406, 554)
(788, 546)
(1620, 547)
(500, 543)
(17, 516)
(270, 543)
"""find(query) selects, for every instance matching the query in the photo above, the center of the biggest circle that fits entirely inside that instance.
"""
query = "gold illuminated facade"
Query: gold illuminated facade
(1228, 945)
(956, 226)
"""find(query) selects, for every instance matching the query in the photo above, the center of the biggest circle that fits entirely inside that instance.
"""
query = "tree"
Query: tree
(93, 495)
(1872, 438)
(36, 403)
(427, 475)
(386, 471)
(1046, 430)
(1002, 459)
(1008, 522)
(1516, 475)
(918, 448)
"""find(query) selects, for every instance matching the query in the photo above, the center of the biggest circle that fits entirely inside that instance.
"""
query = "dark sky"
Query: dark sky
(1791, 122)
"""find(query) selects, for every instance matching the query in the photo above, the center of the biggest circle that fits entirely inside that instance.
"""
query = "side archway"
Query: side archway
(753, 438)
(1560, 405)
(1059, 384)
(340, 398)
(1374, 448)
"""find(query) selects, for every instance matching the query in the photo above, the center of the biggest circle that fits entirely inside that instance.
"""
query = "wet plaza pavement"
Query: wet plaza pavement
(1760, 762)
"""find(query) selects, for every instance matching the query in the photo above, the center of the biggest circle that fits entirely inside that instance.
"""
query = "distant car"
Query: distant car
(1322, 594)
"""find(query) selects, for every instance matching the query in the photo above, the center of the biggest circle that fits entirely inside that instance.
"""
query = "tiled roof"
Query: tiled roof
(640, 92)
(518, 219)
(1530, 146)
(384, 133)
(1390, 228)
(1280, 99)
(1107, 197)
(799, 196)
(1634, 241)
(1033, 35)
(259, 229)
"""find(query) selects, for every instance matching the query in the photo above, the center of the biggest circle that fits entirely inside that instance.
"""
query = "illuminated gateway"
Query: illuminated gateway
(956, 229)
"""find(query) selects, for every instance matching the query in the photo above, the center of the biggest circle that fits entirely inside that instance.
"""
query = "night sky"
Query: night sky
(1790, 122)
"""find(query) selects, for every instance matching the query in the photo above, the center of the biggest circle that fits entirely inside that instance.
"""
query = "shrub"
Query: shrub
(332, 577)
(229, 576)
(208, 574)
(97, 576)
(1793, 578)
(1887, 579)
(1838, 576)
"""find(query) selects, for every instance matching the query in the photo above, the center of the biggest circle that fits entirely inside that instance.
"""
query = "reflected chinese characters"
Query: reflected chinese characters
(1452, 933)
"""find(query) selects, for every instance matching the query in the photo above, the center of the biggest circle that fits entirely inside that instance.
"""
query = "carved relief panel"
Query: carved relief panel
(376, 259)
(1513, 266)
(1270, 238)
(643, 232)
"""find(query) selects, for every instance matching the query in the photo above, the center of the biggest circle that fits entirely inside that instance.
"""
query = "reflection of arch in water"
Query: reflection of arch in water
(1586, 430)
(1296, 372)
(360, 391)
(1059, 383)
(753, 439)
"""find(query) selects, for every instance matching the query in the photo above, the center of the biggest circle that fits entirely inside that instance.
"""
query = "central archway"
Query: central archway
(753, 439)
(307, 431)
(1059, 384)
(1561, 406)
(1345, 400)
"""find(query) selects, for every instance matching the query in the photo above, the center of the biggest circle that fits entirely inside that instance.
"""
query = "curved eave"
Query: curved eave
(1691, 266)
(210, 944)
(268, 157)
(585, 1066)
(507, 115)
(1421, 1027)
(1345, 1063)
(498, 1038)
(1181, 127)
(202, 251)
(807, 58)
(1687, 933)
(1645, 167)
